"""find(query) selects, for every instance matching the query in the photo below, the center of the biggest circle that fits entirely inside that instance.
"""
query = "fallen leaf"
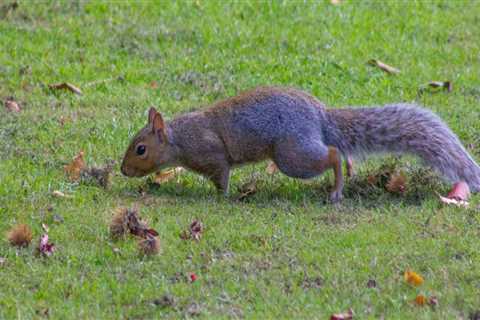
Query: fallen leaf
(246, 190)
(59, 194)
(127, 220)
(164, 176)
(413, 278)
(433, 301)
(44, 247)
(342, 316)
(458, 203)
(385, 67)
(67, 86)
(397, 183)
(458, 195)
(271, 168)
(420, 300)
(193, 277)
(20, 235)
(196, 230)
(44, 227)
(460, 191)
(12, 105)
(371, 283)
(441, 84)
(74, 168)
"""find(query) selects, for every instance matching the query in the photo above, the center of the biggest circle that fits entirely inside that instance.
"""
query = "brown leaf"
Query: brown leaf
(342, 316)
(460, 191)
(12, 105)
(433, 301)
(420, 300)
(271, 168)
(20, 235)
(58, 194)
(67, 86)
(371, 283)
(385, 67)
(74, 168)
(246, 190)
(458, 195)
(44, 247)
(164, 176)
(397, 183)
(196, 230)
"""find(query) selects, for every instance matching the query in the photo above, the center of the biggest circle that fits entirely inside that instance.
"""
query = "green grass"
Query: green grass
(284, 253)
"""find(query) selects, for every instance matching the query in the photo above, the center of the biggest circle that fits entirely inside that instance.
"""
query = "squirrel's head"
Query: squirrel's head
(149, 150)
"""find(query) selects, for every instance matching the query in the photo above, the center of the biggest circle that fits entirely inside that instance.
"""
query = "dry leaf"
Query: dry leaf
(149, 246)
(385, 67)
(458, 195)
(413, 278)
(59, 194)
(164, 176)
(397, 183)
(458, 203)
(44, 227)
(20, 235)
(12, 105)
(441, 84)
(420, 300)
(67, 86)
(460, 191)
(74, 169)
(271, 168)
(246, 190)
(196, 230)
(342, 316)
(433, 301)
(44, 247)
(371, 283)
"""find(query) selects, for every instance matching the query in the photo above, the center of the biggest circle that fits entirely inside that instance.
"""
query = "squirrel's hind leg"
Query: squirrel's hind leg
(309, 158)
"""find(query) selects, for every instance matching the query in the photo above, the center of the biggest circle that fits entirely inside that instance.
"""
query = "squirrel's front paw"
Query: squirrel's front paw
(336, 196)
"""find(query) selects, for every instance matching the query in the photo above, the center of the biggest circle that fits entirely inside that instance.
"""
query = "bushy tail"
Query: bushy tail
(402, 128)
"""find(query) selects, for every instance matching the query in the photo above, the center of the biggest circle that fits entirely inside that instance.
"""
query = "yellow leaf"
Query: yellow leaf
(164, 176)
(413, 278)
(420, 300)
(74, 168)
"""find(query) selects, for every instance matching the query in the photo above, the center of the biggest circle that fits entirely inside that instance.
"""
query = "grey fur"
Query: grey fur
(403, 129)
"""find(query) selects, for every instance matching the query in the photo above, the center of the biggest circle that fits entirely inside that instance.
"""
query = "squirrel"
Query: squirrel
(300, 135)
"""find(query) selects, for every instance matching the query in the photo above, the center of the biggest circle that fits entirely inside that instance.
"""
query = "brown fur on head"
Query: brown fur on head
(149, 150)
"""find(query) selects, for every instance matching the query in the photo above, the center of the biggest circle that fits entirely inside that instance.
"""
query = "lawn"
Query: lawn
(284, 252)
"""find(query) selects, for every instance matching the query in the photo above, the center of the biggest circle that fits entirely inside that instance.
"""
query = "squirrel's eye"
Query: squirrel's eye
(141, 149)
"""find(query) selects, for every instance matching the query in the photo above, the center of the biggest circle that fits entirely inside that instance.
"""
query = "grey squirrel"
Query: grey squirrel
(298, 133)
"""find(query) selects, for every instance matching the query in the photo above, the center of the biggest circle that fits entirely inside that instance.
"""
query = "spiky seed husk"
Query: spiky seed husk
(119, 223)
(149, 246)
(20, 235)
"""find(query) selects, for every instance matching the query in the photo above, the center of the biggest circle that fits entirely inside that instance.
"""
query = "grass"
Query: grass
(283, 253)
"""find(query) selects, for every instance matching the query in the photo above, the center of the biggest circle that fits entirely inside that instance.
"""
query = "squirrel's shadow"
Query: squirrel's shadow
(267, 192)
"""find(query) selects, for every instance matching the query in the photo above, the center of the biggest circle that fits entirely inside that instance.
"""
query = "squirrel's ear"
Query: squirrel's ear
(157, 123)
(151, 115)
